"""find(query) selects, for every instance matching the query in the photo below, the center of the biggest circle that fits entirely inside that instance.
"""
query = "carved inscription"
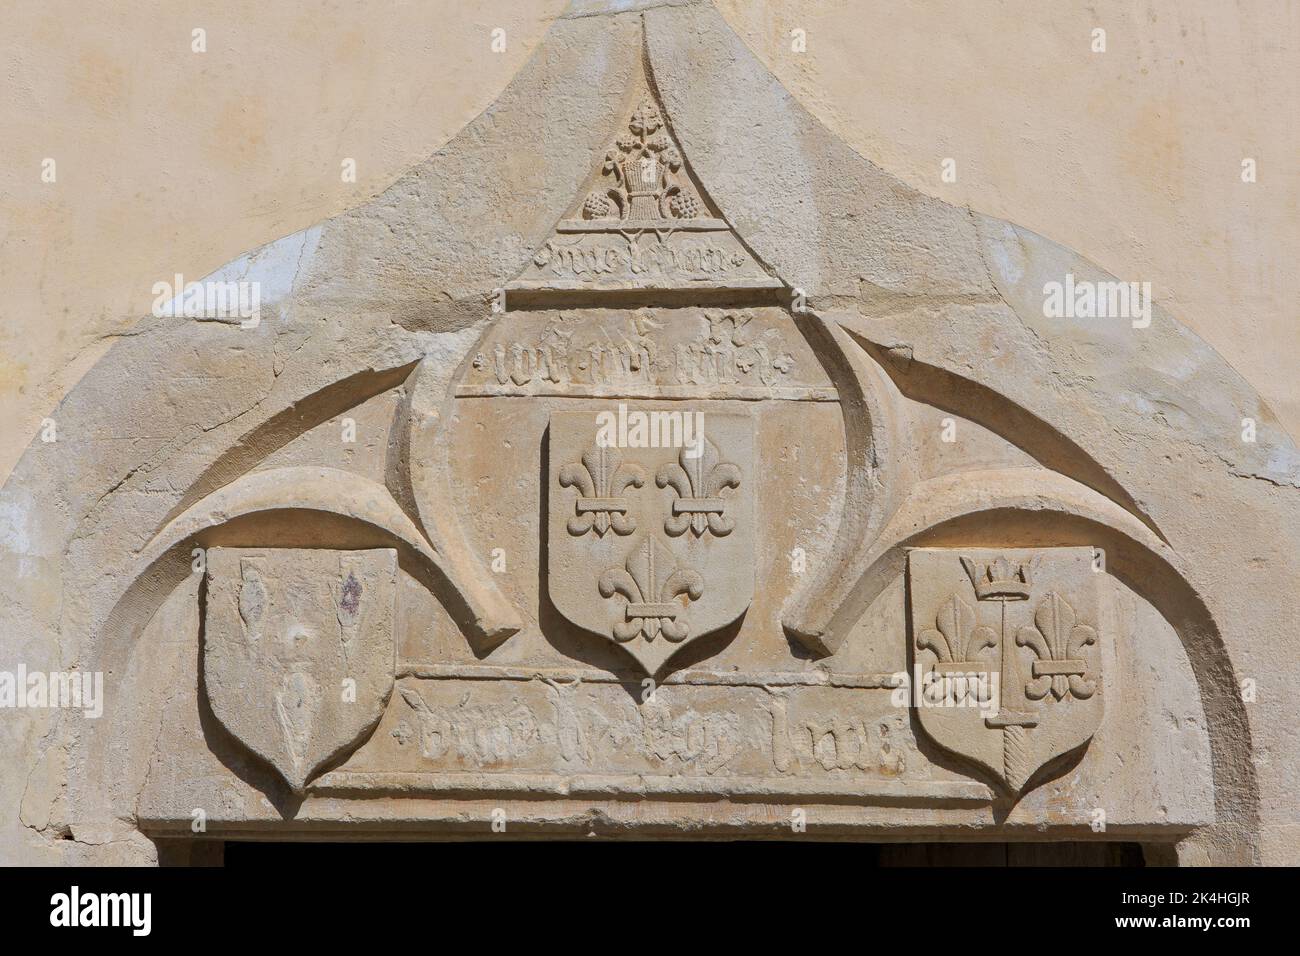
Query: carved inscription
(832, 739)
(693, 259)
(710, 349)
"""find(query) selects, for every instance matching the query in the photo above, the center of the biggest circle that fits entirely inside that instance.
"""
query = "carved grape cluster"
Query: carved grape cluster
(684, 206)
(597, 206)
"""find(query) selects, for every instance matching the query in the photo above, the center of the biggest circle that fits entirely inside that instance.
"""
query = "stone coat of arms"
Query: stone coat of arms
(299, 652)
(1007, 654)
(650, 542)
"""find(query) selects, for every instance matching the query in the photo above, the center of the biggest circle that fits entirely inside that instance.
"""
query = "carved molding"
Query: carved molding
(491, 618)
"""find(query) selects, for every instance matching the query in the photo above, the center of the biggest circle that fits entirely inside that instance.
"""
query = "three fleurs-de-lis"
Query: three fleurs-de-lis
(651, 580)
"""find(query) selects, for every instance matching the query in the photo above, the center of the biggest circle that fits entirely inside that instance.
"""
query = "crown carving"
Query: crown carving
(1000, 579)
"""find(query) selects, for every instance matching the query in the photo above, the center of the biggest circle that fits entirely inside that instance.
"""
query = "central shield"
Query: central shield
(651, 524)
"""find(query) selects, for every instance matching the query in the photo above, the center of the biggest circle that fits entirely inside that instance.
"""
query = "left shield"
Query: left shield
(299, 650)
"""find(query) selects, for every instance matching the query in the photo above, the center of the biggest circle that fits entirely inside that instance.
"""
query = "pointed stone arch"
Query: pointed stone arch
(408, 279)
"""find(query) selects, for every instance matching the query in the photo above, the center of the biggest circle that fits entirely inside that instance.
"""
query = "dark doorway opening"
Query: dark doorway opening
(249, 854)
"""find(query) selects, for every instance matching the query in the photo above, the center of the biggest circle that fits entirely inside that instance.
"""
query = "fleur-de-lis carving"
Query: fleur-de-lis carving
(651, 581)
(958, 638)
(1058, 640)
(699, 482)
(601, 479)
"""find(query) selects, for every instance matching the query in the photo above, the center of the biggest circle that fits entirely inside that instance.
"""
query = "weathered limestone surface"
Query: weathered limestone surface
(298, 650)
(907, 481)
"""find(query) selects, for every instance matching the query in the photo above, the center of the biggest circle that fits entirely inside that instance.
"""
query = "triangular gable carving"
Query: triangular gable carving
(642, 220)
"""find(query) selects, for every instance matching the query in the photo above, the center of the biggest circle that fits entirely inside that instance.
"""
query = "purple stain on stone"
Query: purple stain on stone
(351, 597)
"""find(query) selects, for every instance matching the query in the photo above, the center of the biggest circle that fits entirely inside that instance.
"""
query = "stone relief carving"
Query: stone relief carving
(699, 481)
(649, 567)
(628, 572)
(787, 733)
(728, 347)
(373, 566)
(651, 582)
(1059, 643)
(643, 169)
(978, 692)
(601, 479)
(664, 587)
(299, 650)
(730, 352)
(643, 222)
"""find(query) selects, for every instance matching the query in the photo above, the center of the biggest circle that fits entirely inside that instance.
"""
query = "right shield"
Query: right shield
(1006, 654)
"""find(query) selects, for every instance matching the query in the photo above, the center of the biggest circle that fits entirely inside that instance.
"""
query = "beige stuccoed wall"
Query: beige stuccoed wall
(174, 161)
